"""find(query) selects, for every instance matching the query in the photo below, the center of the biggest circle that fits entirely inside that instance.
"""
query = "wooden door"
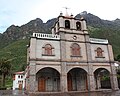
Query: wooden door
(41, 85)
(86, 83)
(69, 82)
(20, 86)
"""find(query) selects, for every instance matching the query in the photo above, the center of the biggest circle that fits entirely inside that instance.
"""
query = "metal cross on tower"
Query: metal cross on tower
(66, 8)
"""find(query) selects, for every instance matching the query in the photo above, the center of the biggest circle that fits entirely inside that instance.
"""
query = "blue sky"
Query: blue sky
(19, 12)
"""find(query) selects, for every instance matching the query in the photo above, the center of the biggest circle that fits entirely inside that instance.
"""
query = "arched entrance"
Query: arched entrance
(77, 80)
(102, 78)
(48, 80)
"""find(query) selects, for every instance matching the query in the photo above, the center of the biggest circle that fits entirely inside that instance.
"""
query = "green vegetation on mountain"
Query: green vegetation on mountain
(112, 34)
(16, 51)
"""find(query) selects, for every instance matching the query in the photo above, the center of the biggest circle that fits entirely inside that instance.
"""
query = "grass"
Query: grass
(8, 82)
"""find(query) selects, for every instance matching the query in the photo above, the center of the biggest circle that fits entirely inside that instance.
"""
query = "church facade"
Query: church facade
(69, 60)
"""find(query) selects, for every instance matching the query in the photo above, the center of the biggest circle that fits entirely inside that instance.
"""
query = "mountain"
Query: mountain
(95, 21)
(106, 29)
(14, 40)
(90, 18)
(24, 31)
(14, 33)
(50, 23)
(117, 21)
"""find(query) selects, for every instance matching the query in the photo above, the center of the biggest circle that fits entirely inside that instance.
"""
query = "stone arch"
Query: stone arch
(47, 43)
(77, 67)
(77, 79)
(48, 80)
(42, 67)
(102, 78)
(101, 67)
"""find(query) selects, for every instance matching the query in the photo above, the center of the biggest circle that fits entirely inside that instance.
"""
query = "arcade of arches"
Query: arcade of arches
(48, 80)
(102, 78)
(77, 79)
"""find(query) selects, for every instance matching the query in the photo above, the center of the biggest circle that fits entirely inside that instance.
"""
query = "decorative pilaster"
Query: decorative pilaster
(32, 83)
(32, 77)
(33, 48)
(113, 77)
(91, 81)
(63, 79)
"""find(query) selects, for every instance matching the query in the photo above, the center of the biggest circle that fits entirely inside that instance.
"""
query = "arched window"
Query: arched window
(67, 24)
(48, 49)
(78, 25)
(99, 52)
(75, 49)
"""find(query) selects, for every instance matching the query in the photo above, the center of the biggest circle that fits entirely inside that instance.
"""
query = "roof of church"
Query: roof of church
(22, 72)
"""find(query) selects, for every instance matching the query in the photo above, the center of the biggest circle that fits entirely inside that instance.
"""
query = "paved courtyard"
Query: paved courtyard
(12, 93)
(96, 93)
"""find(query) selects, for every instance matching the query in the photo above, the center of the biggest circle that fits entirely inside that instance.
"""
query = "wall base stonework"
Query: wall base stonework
(78, 93)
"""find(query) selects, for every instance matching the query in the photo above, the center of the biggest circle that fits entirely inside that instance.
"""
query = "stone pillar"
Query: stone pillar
(33, 48)
(113, 74)
(32, 83)
(113, 77)
(98, 82)
(61, 22)
(32, 77)
(91, 80)
(32, 70)
(63, 78)
(83, 24)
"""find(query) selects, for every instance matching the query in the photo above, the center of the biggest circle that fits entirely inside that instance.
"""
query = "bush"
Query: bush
(105, 78)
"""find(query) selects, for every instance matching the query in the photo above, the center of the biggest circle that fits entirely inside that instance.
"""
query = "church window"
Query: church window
(48, 50)
(75, 49)
(21, 76)
(78, 25)
(99, 52)
(18, 76)
(67, 24)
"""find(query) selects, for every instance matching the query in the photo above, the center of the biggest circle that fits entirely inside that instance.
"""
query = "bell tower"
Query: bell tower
(69, 24)
(72, 31)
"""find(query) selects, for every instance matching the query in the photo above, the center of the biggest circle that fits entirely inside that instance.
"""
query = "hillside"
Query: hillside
(105, 29)
(17, 52)
(14, 40)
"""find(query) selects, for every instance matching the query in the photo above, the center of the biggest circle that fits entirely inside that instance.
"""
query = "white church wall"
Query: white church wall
(39, 49)
(80, 58)
(72, 37)
(105, 52)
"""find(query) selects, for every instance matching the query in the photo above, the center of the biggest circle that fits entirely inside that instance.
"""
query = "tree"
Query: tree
(5, 68)
(118, 58)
